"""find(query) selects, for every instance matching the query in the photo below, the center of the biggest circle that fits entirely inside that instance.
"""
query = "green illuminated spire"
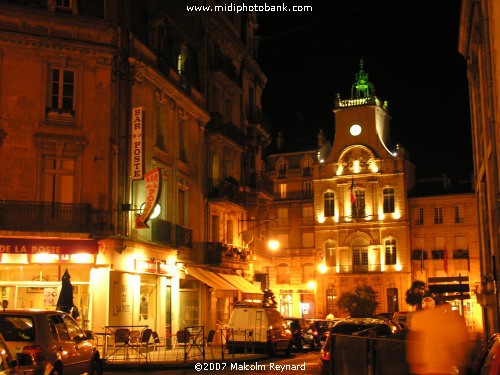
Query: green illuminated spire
(361, 88)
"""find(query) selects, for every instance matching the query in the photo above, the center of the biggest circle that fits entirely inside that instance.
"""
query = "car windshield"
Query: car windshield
(17, 327)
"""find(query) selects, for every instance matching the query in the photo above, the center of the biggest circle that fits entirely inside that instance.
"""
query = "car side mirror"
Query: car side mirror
(89, 335)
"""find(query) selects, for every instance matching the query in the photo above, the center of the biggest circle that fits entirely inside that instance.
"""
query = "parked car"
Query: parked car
(320, 329)
(403, 318)
(384, 316)
(259, 328)
(49, 342)
(489, 362)
(302, 334)
(7, 362)
(356, 326)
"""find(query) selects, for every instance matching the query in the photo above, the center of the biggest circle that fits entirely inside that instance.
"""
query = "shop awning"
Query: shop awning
(242, 284)
(212, 280)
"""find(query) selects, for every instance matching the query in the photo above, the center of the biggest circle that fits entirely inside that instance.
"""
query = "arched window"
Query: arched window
(329, 199)
(388, 194)
(283, 274)
(282, 169)
(390, 251)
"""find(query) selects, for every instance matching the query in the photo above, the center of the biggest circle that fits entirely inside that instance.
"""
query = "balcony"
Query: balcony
(48, 217)
(224, 189)
(255, 116)
(259, 181)
(219, 125)
(183, 237)
(218, 253)
(224, 69)
(162, 232)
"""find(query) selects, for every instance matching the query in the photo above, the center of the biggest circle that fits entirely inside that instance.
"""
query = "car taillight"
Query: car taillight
(315, 332)
(324, 354)
(35, 351)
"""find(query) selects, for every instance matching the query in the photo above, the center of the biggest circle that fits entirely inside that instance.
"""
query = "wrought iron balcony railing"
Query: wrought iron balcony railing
(225, 189)
(45, 216)
(260, 181)
(218, 252)
(183, 237)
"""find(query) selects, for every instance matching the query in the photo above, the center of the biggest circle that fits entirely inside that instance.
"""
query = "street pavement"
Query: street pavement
(170, 359)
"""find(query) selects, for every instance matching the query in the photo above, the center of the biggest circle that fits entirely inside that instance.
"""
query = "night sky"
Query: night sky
(410, 51)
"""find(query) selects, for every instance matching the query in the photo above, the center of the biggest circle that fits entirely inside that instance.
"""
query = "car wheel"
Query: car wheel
(95, 366)
(300, 344)
(272, 349)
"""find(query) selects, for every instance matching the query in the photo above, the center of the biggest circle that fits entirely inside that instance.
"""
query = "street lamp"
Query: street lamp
(272, 244)
(319, 259)
(321, 265)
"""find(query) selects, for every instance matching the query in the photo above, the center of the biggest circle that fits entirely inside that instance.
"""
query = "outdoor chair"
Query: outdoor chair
(139, 340)
(209, 340)
(183, 342)
(158, 344)
(121, 342)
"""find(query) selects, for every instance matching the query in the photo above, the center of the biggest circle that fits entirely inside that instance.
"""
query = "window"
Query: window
(282, 212)
(358, 207)
(308, 272)
(283, 274)
(216, 228)
(390, 252)
(307, 212)
(160, 125)
(181, 208)
(181, 60)
(419, 216)
(307, 168)
(307, 189)
(459, 214)
(229, 231)
(307, 239)
(330, 254)
(329, 199)
(283, 240)
(388, 200)
(229, 110)
(182, 140)
(282, 170)
(360, 256)
(58, 179)
(392, 300)
(438, 215)
(62, 91)
(64, 4)
(283, 191)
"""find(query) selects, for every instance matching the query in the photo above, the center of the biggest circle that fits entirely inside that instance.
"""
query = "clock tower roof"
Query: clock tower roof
(361, 88)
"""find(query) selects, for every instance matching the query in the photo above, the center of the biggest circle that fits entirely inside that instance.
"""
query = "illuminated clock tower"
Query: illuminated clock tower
(360, 202)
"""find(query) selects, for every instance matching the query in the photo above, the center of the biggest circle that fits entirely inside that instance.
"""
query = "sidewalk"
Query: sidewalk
(169, 359)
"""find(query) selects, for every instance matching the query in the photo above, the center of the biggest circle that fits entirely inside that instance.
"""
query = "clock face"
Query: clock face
(355, 130)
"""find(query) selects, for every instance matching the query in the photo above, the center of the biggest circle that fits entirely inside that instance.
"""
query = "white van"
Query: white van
(258, 328)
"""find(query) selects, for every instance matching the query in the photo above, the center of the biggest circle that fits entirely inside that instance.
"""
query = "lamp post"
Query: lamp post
(271, 243)
(321, 269)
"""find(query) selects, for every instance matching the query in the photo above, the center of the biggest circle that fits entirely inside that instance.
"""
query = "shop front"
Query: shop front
(31, 270)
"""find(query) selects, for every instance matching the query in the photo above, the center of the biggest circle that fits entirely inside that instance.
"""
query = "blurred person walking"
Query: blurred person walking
(438, 341)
